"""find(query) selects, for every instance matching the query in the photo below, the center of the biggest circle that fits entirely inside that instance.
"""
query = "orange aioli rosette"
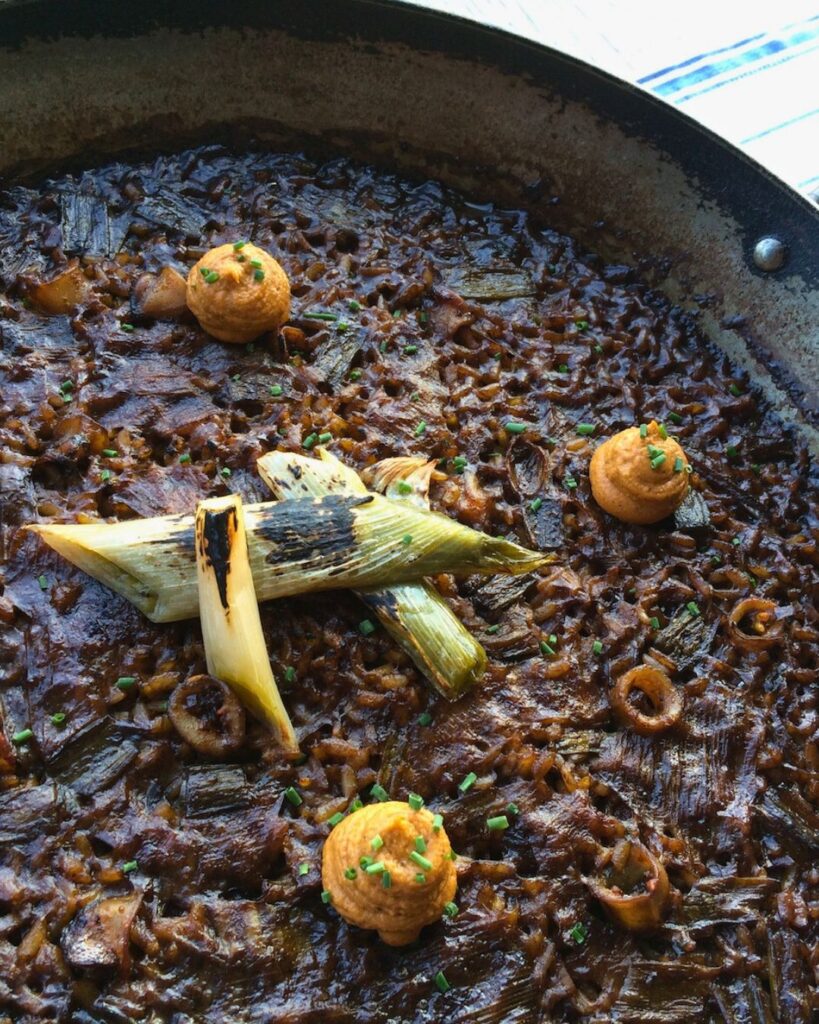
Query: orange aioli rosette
(389, 867)
(639, 475)
(237, 292)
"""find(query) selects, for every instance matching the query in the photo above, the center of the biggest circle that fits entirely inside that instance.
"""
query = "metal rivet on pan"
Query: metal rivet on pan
(769, 253)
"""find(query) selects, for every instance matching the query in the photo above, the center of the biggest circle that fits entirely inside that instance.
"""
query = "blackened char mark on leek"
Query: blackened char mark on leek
(313, 530)
(218, 531)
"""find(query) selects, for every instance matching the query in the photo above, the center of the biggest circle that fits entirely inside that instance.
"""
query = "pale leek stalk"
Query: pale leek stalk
(295, 547)
(414, 614)
(229, 613)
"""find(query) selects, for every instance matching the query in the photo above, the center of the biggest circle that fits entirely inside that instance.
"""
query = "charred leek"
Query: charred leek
(415, 614)
(232, 630)
(294, 547)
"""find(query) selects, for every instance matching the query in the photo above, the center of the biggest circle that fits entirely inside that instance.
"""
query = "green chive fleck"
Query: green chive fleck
(325, 437)
(42, 582)
(410, 350)
(379, 793)
(304, 869)
(185, 457)
(350, 874)
(293, 796)
(425, 718)
(239, 245)
(441, 982)
(643, 430)
(731, 451)
(109, 453)
(342, 327)
(662, 432)
(735, 390)
(459, 463)
(693, 608)
(355, 374)
(563, 368)
(364, 862)
(321, 316)
(437, 822)
(421, 428)
(356, 805)
(736, 541)
(497, 824)
(326, 896)
(570, 482)
(675, 417)
(547, 649)
(535, 505)
(376, 842)
(654, 622)
(378, 867)
(58, 718)
(126, 327)
(258, 275)
(512, 808)
(309, 441)
(421, 860)
(336, 819)
(415, 801)
(513, 427)
(597, 647)
(276, 390)
(493, 629)
(211, 277)
(386, 880)
(23, 736)
(125, 682)
(403, 487)
(225, 470)
(420, 844)
(468, 782)
(353, 305)
(581, 325)
(366, 627)
(579, 933)
(585, 429)
(450, 909)
(406, 539)
(129, 866)
(256, 263)
(658, 460)
(420, 878)
(105, 475)
(289, 674)
(679, 465)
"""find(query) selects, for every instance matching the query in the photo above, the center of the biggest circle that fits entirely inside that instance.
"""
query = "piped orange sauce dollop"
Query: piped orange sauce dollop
(639, 475)
(389, 867)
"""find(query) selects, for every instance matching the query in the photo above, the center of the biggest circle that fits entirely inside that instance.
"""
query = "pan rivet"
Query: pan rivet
(769, 253)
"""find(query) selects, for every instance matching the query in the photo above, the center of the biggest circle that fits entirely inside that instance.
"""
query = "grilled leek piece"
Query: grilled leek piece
(414, 614)
(229, 613)
(295, 547)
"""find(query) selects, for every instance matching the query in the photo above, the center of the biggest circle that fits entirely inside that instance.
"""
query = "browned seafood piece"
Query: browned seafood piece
(63, 292)
(161, 295)
(634, 888)
(754, 624)
(208, 715)
(664, 698)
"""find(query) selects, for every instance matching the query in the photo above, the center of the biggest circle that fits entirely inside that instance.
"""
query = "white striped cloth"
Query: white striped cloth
(748, 70)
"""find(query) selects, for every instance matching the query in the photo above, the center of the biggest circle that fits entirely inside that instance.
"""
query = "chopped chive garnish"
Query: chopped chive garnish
(423, 317)
(421, 428)
(468, 782)
(497, 824)
(325, 437)
(309, 441)
(736, 541)
(450, 909)
(547, 649)
(356, 805)
(258, 275)
(353, 305)
(376, 842)
(403, 487)
(125, 682)
(239, 245)
(410, 350)
(553, 640)
(364, 862)
(350, 874)
(570, 482)
(512, 808)
(326, 896)
(643, 430)
(386, 880)
(585, 429)
(276, 390)
(420, 878)
(424, 718)
(675, 417)
(693, 608)
(535, 504)
(453, 855)
(109, 452)
(407, 538)
(204, 271)
(662, 432)
(493, 629)
(321, 316)
(382, 348)
(379, 793)
(256, 263)
(241, 258)
(597, 647)
(415, 801)
(735, 390)
(293, 796)
(289, 674)
(342, 327)
(654, 622)
(653, 450)
(42, 582)
(513, 427)
(421, 860)
(459, 463)
(211, 277)
(355, 374)
(563, 368)
(679, 465)
(437, 822)
(441, 982)
(335, 819)
(658, 460)
(129, 866)
(581, 325)
(183, 458)
(578, 933)
(67, 385)
(731, 451)
(23, 736)
(420, 844)
(598, 349)
(225, 471)
(365, 627)
(378, 867)
(304, 868)
(126, 327)
(105, 475)
(58, 718)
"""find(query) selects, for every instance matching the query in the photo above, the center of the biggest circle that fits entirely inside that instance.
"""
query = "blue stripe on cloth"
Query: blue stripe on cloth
(776, 127)
(699, 57)
(759, 53)
(745, 73)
